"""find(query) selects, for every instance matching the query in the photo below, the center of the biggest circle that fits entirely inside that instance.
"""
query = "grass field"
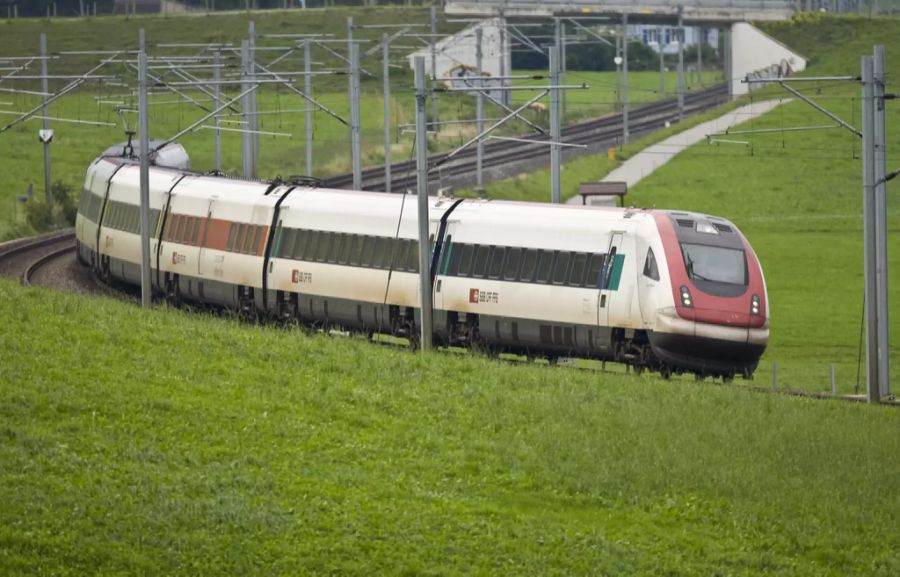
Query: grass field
(162, 442)
(263, 451)
(797, 197)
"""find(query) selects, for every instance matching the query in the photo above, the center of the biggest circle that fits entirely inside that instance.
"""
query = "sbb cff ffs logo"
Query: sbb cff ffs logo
(480, 296)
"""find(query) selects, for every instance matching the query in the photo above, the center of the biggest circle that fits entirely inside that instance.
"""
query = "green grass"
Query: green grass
(264, 451)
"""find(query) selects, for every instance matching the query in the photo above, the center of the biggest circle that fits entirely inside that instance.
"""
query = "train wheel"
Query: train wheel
(665, 372)
(173, 295)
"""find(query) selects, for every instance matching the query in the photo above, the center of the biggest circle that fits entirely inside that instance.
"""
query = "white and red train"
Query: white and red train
(666, 290)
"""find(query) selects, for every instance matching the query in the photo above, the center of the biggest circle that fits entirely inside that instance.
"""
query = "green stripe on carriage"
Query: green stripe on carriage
(277, 246)
(447, 258)
(616, 274)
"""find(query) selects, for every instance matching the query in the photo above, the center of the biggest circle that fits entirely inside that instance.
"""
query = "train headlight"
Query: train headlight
(686, 299)
(754, 305)
(706, 228)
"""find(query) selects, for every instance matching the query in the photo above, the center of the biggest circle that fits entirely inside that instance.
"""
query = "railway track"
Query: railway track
(597, 134)
(21, 259)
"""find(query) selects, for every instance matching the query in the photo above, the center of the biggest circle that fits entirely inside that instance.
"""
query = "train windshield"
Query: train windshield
(715, 264)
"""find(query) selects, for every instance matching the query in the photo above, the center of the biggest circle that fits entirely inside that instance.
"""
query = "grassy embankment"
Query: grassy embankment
(262, 451)
(76, 145)
(797, 197)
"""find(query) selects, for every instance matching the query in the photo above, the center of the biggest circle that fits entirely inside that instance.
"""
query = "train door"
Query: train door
(610, 274)
(203, 267)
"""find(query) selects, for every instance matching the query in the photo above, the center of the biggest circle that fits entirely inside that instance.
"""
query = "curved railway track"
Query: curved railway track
(18, 258)
(597, 133)
(41, 263)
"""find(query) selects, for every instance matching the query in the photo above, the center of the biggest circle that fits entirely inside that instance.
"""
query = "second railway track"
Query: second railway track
(597, 133)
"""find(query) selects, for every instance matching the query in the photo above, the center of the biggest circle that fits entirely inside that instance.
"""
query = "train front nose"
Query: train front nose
(719, 324)
(709, 348)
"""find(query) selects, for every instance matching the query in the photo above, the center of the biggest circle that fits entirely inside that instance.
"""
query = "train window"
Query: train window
(545, 267)
(529, 265)
(232, 231)
(135, 214)
(401, 254)
(715, 264)
(238, 238)
(482, 255)
(412, 260)
(650, 268)
(595, 263)
(335, 252)
(325, 240)
(466, 258)
(257, 237)
(286, 238)
(561, 270)
(381, 253)
(496, 267)
(451, 265)
(313, 238)
(346, 246)
(301, 239)
(246, 238)
(195, 233)
(179, 228)
(357, 249)
(154, 222)
(513, 261)
(179, 231)
(576, 275)
(368, 251)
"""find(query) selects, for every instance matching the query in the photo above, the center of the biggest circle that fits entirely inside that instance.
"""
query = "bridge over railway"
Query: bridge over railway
(643, 11)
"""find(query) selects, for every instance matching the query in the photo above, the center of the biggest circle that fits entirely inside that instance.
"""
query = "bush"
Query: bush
(42, 217)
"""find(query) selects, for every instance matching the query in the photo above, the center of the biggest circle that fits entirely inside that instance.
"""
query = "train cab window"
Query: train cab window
(496, 266)
(595, 265)
(545, 267)
(576, 274)
(529, 265)
(513, 261)
(482, 255)
(715, 264)
(466, 258)
(650, 268)
(561, 269)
